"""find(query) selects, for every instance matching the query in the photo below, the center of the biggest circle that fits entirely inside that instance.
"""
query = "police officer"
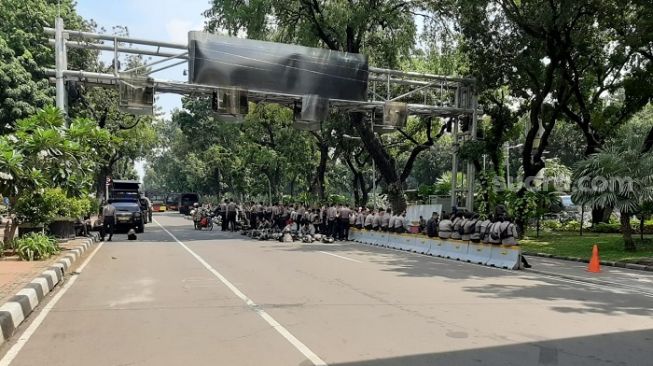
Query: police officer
(343, 222)
(332, 216)
(360, 219)
(369, 220)
(108, 220)
(231, 215)
(223, 213)
(376, 222)
(257, 214)
(385, 220)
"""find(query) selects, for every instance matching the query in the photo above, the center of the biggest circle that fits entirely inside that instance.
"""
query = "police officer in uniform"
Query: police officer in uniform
(108, 220)
(223, 213)
(231, 215)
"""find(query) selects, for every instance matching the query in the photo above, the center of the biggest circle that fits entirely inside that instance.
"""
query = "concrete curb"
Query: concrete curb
(638, 267)
(19, 307)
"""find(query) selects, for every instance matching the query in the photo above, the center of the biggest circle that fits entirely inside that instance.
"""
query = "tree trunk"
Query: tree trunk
(354, 186)
(292, 187)
(627, 232)
(365, 194)
(10, 232)
(601, 214)
(384, 162)
(396, 197)
(318, 181)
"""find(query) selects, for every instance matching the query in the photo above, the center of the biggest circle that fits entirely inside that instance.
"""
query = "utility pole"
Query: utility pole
(61, 65)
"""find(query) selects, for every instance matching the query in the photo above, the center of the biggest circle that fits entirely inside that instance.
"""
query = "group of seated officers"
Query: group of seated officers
(468, 226)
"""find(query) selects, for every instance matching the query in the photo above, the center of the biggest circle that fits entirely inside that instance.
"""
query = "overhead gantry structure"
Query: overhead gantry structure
(387, 96)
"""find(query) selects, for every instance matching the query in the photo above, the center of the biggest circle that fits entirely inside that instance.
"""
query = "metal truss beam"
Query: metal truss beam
(178, 87)
(441, 96)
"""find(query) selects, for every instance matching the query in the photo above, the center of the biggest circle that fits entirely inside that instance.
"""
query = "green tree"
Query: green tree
(383, 30)
(25, 52)
(552, 57)
(619, 176)
(132, 137)
(42, 152)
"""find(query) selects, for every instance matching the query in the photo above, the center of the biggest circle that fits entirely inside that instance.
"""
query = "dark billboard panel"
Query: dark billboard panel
(276, 67)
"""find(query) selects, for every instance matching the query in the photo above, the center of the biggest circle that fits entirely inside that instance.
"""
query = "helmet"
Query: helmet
(307, 239)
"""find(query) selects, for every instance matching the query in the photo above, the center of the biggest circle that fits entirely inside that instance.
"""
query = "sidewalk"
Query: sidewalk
(15, 273)
(611, 276)
(25, 285)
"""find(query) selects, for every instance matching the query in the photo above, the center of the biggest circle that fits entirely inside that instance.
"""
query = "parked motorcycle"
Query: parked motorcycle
(203, 220)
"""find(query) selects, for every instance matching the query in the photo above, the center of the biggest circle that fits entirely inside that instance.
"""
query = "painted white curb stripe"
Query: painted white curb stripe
(44, 284)
(31, 295)
(53, 275)
(301, 347)
(16, 312)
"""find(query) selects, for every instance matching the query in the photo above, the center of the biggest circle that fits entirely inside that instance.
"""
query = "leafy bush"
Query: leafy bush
(41, 207)
(35, 246)
(337, 199)
(606, 228)
(572, 225)
(45, 206)
(551, 224)
(555, 225)
(77, 207)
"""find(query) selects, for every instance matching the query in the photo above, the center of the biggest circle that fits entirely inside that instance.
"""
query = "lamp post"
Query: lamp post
(508, 147)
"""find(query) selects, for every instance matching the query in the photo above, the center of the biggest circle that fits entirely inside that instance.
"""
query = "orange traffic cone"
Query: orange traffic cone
(595, 265)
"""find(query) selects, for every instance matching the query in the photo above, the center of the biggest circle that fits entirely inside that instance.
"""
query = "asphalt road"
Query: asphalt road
(182, 297)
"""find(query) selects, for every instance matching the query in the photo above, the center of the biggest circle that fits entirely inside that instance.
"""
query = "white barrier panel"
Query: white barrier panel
(505, 256)
(363, 237)
(422, 244)
(383, 239)
(479, 253)
(354, 234)
(370, 238)
(437, 248)
(390, 240)
(502, 256)
(377, 238)
(403, 242)
(455, 249)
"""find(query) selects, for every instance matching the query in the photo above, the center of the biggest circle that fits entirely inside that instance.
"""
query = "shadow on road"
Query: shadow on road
(520, 285)
(595, 300)
(619, 348)
(527, 285)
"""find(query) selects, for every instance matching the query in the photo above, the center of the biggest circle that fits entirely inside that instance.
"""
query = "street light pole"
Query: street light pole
(508, 147)
(373, 163)
(508, 164)
(60, 61)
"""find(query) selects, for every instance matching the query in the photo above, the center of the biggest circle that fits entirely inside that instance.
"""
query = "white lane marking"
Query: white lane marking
(341, 257)
(301, 347)
(20, 343)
